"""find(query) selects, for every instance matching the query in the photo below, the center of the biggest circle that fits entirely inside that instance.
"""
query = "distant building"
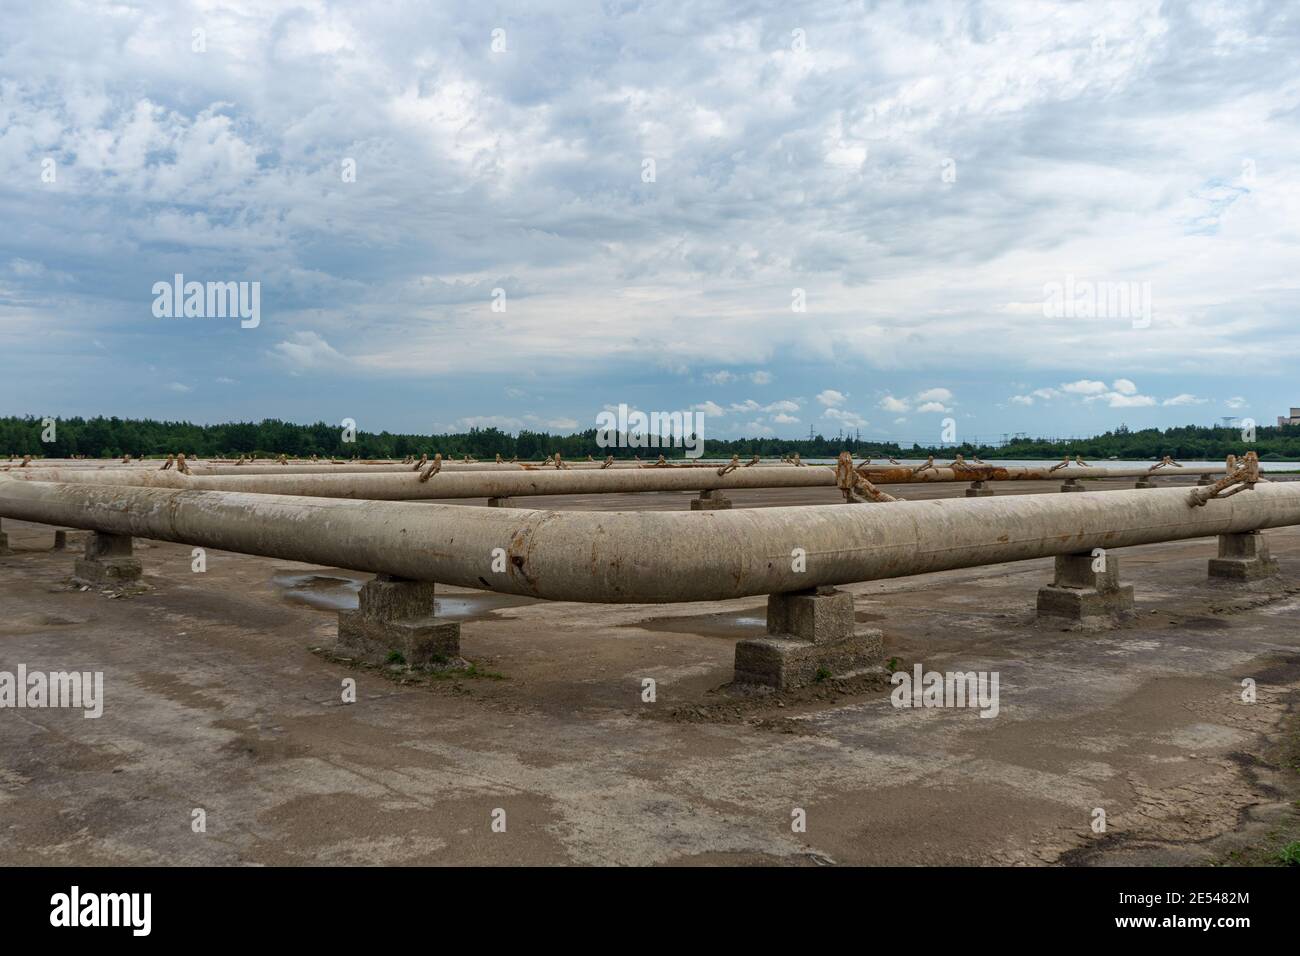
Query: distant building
(1292, 419)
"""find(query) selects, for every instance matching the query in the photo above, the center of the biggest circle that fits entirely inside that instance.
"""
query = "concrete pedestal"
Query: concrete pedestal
(4, 539)
(501, 502)
(1206, 480)
(108, 561)
(397, 615)
(60, 541)
(1072, 484)
(808, 632)
(710, 501)
(978, 489)
(1080, 595)
(1243, 557)
(1143, 483)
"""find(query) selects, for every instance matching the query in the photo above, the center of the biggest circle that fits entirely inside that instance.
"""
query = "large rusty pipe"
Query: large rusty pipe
(650, 557)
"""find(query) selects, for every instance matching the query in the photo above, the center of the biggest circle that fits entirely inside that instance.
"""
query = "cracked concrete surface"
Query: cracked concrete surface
(215, 700)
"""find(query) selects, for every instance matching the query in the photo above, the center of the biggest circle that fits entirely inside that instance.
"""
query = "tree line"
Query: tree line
(113, 437)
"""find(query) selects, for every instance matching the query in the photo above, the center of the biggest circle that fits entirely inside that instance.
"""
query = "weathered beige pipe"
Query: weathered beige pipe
(650, 557)
(324, 468)
(903, 475)
(459, 484)
(455, 483)
(327, 469)
(879, 474)
(312, 468)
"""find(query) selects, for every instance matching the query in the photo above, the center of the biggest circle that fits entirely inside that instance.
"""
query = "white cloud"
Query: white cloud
(783, 419)
(1045, 394)
(306, 350)
(1123, 393)
(1237, 402)
(1184, 399)
(845, 417)
(710, 408)
(1084, 387)
(719, 378)
(831, 398)
(761, 378)
(929, 400)
(1118, 400)
(785, 405)
(782, 406)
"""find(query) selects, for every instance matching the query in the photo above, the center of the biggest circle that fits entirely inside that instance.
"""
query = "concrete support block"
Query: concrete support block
(108, 561)
(820, 616)
(1081, 595)
(1243, 557)
(397, 615)
(501, 502)
(978, 489)
(710, 501)
(1072, 484)
(809, 633)
(1206, 480)
(4, 539)
(1144, 483)
(60, 541)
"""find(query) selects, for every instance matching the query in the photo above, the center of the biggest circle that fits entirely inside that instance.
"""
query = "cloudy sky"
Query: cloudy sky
(1051, 218)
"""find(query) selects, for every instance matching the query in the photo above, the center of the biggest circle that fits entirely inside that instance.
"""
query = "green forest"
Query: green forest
(113, 437)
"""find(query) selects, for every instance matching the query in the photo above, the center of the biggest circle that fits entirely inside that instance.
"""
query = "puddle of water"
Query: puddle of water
(742, 624)
(327, 592)
(322, 591)
(462, 606)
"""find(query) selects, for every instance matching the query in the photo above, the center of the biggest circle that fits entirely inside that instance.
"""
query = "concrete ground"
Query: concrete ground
(216, 700)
